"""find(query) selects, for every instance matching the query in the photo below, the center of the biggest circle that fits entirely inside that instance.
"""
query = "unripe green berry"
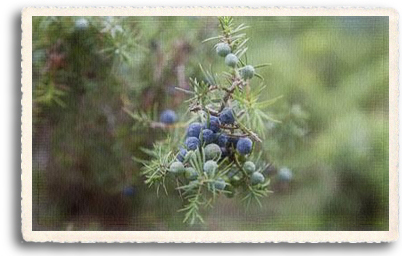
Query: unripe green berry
(285, 174)
(212, 151)
(210, 167)
(249, 167)
(231, 60)
(223, 49)
(247, 72)
(190, 173)
(257, 178)
(176, 168)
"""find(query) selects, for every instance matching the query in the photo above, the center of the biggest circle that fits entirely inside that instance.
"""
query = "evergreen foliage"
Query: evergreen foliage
(223, 103)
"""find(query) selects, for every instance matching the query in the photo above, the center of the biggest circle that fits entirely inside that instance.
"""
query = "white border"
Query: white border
(205, 236)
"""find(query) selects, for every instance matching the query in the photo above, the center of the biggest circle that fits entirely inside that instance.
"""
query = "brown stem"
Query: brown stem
(229, 92)
(237, 135)
(251, 134)
(198, 108)
(234, 127)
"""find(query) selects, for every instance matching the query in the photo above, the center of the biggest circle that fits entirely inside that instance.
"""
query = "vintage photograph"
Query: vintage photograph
(210, 123)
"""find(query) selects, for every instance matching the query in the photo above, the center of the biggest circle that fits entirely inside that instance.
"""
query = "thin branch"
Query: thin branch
(197, 108)
(229, 91)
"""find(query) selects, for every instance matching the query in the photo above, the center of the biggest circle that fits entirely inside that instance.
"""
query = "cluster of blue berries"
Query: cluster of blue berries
(216, 152)
(217, 145)
(218, 140)
(214, 139)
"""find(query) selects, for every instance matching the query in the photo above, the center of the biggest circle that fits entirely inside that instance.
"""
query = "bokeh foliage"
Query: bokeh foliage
(331, 71)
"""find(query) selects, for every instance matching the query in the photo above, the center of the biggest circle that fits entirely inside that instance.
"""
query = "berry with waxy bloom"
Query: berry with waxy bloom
(247, 72)
(168, 116)
(194, 130)
(192, 143)
(249, 167)
(214, 124)
(231, 60)
(285, 174)
(257, 178)
(176, 168)
(212, 151)
(244, 146)
(227, 116)
(210, 167)
(208, 136)
(223, 140)
(190, 173)
(223, 49)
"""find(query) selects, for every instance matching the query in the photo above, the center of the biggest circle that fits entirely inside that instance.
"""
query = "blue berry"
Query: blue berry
(81, 24)
(168, 117)
(247, 72)
(223, 140)
(285, 174)
(223, 49)
(194, 130)
(176, 168)
(214, 124)
(231, 60)
(210, 167)
(182, 154)
(208, 136)
(249, 167)
(226, 116)
(192, 143)
(244, 146)
(212, 151)
(257, 178)
(220, 184)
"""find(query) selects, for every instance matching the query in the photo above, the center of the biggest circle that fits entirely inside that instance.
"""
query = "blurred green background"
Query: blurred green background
(331, 71)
